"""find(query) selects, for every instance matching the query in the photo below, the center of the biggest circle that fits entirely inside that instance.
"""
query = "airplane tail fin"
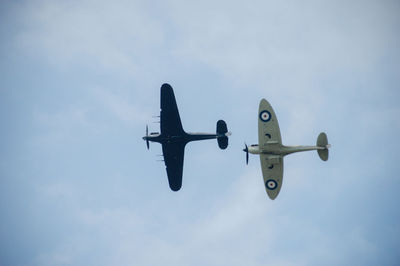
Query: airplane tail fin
(322, 141)
(222, 134)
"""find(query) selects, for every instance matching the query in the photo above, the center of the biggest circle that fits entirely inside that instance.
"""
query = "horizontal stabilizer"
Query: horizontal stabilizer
(221, 127)
(322, 141)
(222, 134)
(223, 142)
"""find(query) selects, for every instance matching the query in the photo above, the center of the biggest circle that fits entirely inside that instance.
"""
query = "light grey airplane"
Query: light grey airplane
(272, 151)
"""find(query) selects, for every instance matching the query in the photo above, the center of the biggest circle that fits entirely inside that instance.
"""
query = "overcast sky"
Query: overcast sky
(79, 81)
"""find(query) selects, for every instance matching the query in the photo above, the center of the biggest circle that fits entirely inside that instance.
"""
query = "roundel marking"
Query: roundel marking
(265, 116)
(271, 184)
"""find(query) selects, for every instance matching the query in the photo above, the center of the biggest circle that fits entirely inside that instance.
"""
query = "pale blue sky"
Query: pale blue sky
(80, 80)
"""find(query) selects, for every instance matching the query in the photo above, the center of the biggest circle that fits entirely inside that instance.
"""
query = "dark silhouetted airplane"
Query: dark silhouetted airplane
(174, 139)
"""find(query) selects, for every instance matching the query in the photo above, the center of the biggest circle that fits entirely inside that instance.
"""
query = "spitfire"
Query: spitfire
(272, 151)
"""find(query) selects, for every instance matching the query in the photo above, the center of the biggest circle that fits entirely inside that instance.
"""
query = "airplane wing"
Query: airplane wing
(272, 170)
(268, 127)
(270, 134)
(173, 158)
(170, 121)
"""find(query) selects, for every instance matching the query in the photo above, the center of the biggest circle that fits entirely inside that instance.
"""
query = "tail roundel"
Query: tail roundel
(222, 134)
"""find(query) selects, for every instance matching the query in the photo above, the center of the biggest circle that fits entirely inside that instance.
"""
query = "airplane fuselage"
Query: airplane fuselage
(186, 137)
(279, 149)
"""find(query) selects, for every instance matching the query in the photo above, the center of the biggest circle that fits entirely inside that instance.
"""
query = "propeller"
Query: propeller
(147, 141)
(246, 150)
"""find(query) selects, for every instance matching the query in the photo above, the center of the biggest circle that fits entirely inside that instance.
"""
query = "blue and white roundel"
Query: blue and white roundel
(265, 116)
(271, 184)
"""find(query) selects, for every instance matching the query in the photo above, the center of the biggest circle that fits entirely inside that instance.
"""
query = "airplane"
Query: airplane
(272, 151)
(174, 139)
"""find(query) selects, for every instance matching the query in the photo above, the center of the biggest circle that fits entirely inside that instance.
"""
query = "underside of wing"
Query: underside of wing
(170, 121)
(268, 127)
(272, 169)
(173, 158)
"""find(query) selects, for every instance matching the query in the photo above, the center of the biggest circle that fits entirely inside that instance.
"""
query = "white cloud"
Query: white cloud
(122, 108)
(114, 37)
(286, 47)
(59, 126)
